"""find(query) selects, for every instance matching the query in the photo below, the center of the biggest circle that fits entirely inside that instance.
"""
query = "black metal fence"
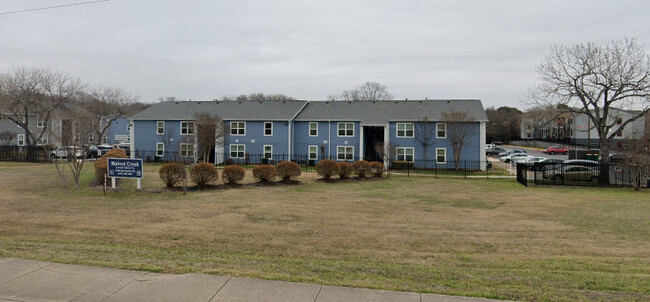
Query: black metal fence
(571, 174)
(34, 154)
(465, 169)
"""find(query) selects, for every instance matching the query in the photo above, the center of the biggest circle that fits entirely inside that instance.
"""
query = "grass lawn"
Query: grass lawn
(475, 237)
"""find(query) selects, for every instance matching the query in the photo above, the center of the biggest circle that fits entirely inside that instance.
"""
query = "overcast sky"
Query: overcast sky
(203, 50)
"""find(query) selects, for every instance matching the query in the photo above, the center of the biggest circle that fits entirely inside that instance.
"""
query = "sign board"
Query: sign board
(125, 168)
(122, 138)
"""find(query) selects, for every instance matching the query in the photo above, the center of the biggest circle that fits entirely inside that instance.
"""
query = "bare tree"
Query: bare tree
(459, 129)
(636, 155)
(368, 91)
(6, 137)
(596, 80)
(258, 96)
(167, 138)
(74, 135)
(425, 132)
(387, 153)
(106, 105)
(210, 130)
(35, 93)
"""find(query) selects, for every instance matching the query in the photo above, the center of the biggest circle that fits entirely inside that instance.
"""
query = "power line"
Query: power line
(51, 7)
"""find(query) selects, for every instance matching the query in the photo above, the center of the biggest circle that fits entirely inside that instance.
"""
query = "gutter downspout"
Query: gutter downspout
(329, 139)
(132, 137)
(290, 121)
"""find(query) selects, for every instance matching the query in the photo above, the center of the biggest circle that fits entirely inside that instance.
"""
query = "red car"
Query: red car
(556, 150)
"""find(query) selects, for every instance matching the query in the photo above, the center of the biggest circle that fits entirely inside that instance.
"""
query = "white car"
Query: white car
(514, 157)
(533, 160)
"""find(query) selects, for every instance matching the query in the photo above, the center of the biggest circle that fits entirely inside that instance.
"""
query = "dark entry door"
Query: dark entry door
(371, 137)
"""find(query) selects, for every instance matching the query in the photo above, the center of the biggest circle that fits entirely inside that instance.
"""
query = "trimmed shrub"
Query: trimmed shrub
(101, 165)
(361, 168)
(288, 170)
(402, 165)
(265, 173)
(233, 174)
(345, 169)
(326, 168)
(172, 173)
(203, 174)
(376, 169)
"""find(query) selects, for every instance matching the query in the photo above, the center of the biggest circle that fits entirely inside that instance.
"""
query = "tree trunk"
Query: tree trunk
(605, 151)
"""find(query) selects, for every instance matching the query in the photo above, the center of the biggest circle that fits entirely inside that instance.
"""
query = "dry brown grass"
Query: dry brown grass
(467, 237)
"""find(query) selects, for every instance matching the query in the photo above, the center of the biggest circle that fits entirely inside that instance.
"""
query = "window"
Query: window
(160, 149)
(238, 128)
(40, 122)
(346, 129)
(268, 128)
(441, 155)
(619, 133)
(237, 151)
(187, 150)
(313, 129)
(405, 153)
(160, 127)
(128, 127)
(345, 153)
(313, 152)
(20, 139)
(91, 137)
(441, 130)
(405, 130)
(43, 140)
(268, 151)
(187, 128)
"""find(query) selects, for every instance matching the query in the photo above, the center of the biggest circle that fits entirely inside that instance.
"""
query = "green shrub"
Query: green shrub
(361, 168)
(376, 169)
(265, 173)
(288, 170)
(326, 168)
(204, 173)
(101, 165)
(233, 174)
(172, 173)
(345, 169)
(402, 165)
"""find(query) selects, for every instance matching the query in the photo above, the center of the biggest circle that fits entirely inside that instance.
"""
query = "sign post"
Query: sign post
(125, 168)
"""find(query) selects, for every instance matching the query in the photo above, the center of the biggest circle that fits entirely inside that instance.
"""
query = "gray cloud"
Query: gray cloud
(206, 49)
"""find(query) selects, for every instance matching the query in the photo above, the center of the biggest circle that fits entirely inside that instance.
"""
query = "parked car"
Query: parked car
(514, 157)
(93, 152)
(581, 162)
(534, 159)
(489, 146)
(105, 148)
(494, 150)
(497, 143)
(511, 151)
(65, 152)
(518, 159)
(556, 150)
(572, 173)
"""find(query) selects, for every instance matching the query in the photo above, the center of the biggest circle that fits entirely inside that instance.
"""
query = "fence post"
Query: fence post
(465, 163)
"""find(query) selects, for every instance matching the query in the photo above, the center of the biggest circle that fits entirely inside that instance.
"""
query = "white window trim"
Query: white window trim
(309, 152)
(158, 127)
(441, 162)
(405, 148)
(271, 123)
(264, 152)
(187, 127)
(344, 146)
(160, 149)
(313, 123)
(237, 128)
(404, 136)
(189, 150)
(244, 152)
(445, 130)
(338, 128)
(20, 140)
(40, 122)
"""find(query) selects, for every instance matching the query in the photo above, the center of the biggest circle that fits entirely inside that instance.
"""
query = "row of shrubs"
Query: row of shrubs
(205, 173)
(328, 168)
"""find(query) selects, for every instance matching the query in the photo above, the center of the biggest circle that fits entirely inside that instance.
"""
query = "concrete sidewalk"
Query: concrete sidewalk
(27, 280)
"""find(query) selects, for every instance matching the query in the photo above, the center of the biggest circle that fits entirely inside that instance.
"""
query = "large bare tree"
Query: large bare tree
(6, 137)
(106, 105)
(210, 130)
(27, 94)
(73, 133)
(597, 80)
(368, 91)
(459, 130)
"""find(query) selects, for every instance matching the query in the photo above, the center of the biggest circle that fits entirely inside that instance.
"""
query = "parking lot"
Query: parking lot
(537, 153)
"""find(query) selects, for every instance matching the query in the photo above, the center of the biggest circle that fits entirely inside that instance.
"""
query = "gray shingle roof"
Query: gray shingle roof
(231, 110)
(381, 112)
(367, 112)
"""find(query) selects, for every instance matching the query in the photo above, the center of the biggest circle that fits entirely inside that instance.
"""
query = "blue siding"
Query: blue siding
(469, 153)
(119, 127)
(146, 138)
(254, 139)
(326, 132)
